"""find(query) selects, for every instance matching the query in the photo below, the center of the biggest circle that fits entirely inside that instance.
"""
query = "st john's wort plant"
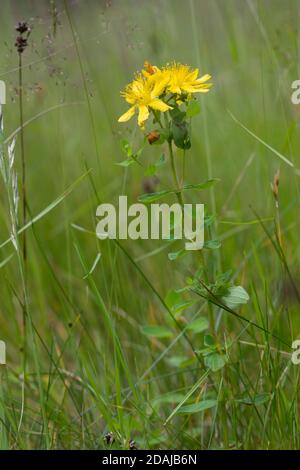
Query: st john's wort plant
(164, 101)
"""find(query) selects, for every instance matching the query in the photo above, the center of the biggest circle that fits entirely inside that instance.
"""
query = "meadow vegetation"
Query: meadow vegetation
(139, 343)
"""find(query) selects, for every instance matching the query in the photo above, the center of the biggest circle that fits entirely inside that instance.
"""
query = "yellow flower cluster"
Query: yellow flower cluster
(150, 89)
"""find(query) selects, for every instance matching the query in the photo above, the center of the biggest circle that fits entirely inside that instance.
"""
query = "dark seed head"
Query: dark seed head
(132, 445)
(109, 438)
(21, 44)
(22, 39)
(275, 184)
(22, 27)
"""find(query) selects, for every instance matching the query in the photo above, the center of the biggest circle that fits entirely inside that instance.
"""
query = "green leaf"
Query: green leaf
(151, 197)
(157, 331)
(176, 303)
(172, 298)
(197, 407)
(257, 400)
(177, 308)
(236, 295)
(177, 115)
(209, 340)
(177, 254)
(126, 148)
(205, 185)
(215, 361)
(212, 244)
(150, 171)
(193, 108)
(126, 163)
(199, 325)
(180, 133)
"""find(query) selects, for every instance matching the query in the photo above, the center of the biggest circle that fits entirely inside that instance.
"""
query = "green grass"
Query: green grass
(90, 365)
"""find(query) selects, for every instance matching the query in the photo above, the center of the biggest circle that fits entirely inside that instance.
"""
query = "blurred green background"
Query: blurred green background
(80, 55)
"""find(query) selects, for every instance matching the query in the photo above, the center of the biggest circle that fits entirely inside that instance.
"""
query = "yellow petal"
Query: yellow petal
(203, 86)
(175, 89)
(143, 115)
(130, 99)
(190, 88)
(159, 105)
(193, 75)
(126, 116)
(200, 88)
(204, 78)
(159, 86)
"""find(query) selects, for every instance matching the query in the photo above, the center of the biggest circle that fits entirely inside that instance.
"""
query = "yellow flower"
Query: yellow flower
(149, 89)
(143, 93)
(183, 79)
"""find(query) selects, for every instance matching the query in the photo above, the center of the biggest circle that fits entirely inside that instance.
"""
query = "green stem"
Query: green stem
(183, 168)
(24, 203)
(157, 118)
(173, 166)
(175, 176)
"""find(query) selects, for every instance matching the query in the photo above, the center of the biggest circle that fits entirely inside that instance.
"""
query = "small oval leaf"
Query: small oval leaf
(197, 407)
(235, 296)
(199, 325)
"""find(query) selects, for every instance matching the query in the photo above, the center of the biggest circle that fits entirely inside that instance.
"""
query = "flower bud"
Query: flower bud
(153, 136)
